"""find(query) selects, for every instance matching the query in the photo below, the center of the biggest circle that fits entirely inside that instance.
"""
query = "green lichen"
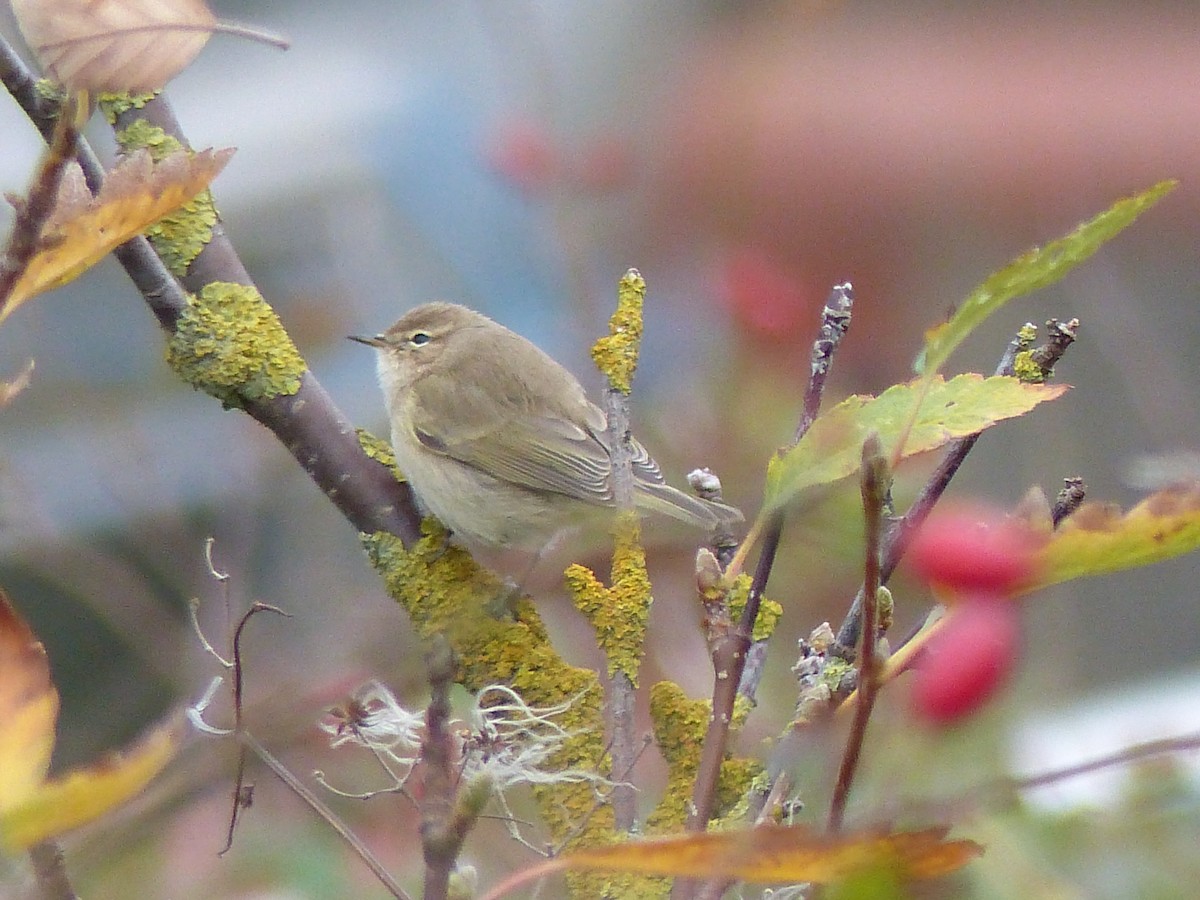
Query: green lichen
(769, 612)
(445, 592)
(619, 614)
(1026, 368)
(116, 105)
(50, 91)
(835, 672)
(229, 343)
(179, 237)
(616, 355)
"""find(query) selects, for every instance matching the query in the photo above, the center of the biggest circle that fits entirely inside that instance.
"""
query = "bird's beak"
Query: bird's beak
(376, 341)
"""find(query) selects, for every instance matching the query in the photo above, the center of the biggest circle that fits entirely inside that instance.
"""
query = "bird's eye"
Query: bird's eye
(419, 338)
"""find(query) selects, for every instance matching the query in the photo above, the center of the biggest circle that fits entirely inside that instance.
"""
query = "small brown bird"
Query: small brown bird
(498, 440)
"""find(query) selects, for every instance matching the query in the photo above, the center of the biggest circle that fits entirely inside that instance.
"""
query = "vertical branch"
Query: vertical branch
(617, 357)
(438, 840)
(876, 483)
(729, 646)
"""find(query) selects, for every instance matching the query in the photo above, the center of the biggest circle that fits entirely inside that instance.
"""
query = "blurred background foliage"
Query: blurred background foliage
(518, 157)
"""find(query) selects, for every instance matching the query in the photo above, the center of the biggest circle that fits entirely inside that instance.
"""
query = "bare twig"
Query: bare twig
(243, 794)
(876, 483)
(1068, 500)
(301, 790)
(438, 839)
(729, 648)
(50, 872)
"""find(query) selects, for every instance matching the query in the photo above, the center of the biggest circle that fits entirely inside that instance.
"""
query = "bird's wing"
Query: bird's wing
(496, 436)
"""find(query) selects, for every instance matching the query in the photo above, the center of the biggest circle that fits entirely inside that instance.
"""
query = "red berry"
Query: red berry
(966, 661)
(972, 552)
(766, 299)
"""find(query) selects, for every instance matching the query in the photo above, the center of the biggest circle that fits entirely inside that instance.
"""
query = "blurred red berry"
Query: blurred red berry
(966, 661)
(525, 153)
(765, 298)
(973, 551)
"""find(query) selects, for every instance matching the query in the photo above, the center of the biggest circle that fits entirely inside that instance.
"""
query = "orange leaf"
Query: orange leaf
(28, 709)
(87, 793)
(769, 854)
(114, 45)
(82, 229)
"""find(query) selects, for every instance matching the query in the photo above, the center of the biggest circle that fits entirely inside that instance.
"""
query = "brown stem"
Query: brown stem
(439, 840)
(875, 487)
(50, 872)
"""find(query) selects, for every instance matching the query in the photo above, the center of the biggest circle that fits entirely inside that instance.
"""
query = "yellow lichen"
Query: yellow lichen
(378, 450)
(679, 728)
(115, 105)
(616, 355)
(445, 592)
(619, 614)
(179, 237)
(229, 343)
(769, 612)
(1026, 368)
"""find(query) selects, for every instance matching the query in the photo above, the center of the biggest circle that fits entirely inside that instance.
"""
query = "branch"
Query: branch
(876, 485)
(307, 422)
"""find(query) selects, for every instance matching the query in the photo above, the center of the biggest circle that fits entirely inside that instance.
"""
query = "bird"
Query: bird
(499, 441)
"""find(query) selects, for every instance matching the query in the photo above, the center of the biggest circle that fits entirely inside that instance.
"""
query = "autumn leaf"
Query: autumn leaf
(33, 808)
(965, 405)
(83, 229)
(1033, 270)
(114, 45)
(28, 709)
(1097, 538)
(769, 854)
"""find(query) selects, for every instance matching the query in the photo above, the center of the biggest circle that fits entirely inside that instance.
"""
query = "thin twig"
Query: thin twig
(50, 872)
(876, 484)
(302, 791)
(730, 647)
(438, 838)
(243, 794)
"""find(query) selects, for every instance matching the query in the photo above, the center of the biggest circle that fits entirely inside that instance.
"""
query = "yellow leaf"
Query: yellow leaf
(1098, 539)
(771, 854)
(28, 709)
(87, 793)
(82, 229)
(114, 45)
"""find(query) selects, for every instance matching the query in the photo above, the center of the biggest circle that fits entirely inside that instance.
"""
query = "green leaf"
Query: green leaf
(1032, 270)
(832, 448)
(1098, 539)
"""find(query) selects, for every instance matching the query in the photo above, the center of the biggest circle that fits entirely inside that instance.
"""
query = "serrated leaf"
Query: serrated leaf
(1098, 539)
(965, 405)
(1033, 270)
(772, 854)
(114, 45)
(28, 709)
(82, 230)
(87, 793)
